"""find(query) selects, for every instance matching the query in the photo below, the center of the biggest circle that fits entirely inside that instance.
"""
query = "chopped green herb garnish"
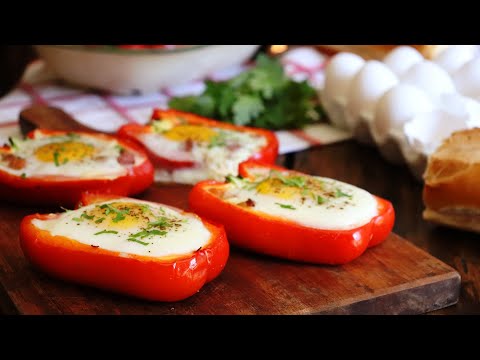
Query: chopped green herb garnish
(218, 140)
(73, 135)
(145, 208)
(88, 217)
(55, 158)
(23, 176)
(144, 233)
(320, 200)
(160, 222)
(98, 221)
(77, 219)
(285, 206)
(65, 161)
(138, 241)
(119, 147)
(340, 193)
(12, 143)
(235, 180)
(120, 214)
(106, 232)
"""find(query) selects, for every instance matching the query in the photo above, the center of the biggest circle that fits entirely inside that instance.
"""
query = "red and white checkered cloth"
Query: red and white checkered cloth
(106, 112)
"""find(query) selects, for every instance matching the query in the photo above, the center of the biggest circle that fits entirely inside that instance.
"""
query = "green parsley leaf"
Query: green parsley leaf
(246, 108)
(88, 217)
(262, 96)
(106, 232)
(320, 200)
(13, 145)
(295, 181)
(23, 175)
(138, 241)
(99, 221)
(55, 158)
(120, 214)
(285, 206)
(77, 219)
(73, 135)
(160, 222)
(235, 180)
(218, 140)
(340, 193)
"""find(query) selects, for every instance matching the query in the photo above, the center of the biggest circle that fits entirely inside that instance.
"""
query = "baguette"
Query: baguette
(378, 52)
(451, 193)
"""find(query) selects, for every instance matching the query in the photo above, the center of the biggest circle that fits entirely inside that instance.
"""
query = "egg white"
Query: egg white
(102, 164)
(188, 236)
(335, 213)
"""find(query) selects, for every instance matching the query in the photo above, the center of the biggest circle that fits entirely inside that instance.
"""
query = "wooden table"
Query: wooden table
(363, 166)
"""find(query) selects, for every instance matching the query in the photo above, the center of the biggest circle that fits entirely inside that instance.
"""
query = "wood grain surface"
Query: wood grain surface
(393, 278)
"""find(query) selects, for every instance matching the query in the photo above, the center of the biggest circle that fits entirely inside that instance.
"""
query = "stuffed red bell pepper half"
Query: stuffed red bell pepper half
(292, 215)
(187, 148)
(55, 167)
(138, 248)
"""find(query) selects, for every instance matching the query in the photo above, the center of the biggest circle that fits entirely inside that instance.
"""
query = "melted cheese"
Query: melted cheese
(215, 152)
(175, 232)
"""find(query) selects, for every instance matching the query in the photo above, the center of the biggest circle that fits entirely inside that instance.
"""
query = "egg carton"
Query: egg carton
(406, 105)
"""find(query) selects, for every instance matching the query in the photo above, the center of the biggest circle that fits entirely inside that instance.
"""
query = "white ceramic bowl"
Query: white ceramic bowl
(126, 71)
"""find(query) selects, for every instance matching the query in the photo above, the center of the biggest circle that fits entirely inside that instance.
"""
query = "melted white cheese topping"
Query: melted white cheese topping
(210, 162)
(186, 237)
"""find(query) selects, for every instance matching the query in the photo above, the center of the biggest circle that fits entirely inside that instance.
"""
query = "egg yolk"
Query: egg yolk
(277, 188)
(62, 152)
(193, 132)
(120, 215)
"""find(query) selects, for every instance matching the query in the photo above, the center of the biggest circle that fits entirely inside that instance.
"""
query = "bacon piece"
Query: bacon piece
(14, 162)
(188, 144)
(126, 158)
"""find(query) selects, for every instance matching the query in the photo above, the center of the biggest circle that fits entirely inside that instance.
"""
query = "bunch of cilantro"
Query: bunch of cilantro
(260, 97)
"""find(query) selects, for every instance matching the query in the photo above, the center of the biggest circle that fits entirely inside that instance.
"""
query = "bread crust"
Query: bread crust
(451, 193)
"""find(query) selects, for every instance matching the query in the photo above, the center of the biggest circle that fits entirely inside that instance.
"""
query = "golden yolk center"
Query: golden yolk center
(193, 132)
(120, 216)
(277, 188)
(63, 152)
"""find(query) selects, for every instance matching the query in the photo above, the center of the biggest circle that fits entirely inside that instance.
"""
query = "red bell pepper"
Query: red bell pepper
(168, 278)
(282, 237)
(268, 153)
(61, 189)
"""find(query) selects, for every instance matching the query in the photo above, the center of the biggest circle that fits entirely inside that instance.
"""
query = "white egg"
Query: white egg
(455, 56)
(467, 78)
(459, 106)
(430, 77)
(402, 58)
(338, 76)
(397, 106)
(425, 132)
(372, 81)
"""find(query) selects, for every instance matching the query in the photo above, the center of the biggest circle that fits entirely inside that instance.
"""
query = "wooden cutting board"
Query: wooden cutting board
(393, 278)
